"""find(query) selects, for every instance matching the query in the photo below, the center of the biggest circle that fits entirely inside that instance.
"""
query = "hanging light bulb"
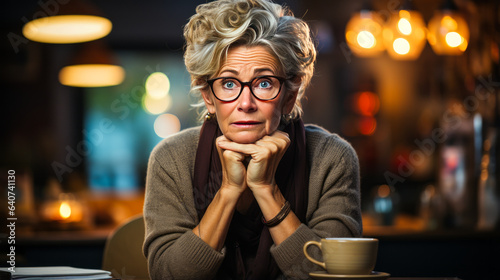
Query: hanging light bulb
(93, 66)
(404, 34)
(448, 31)
(363, 33)
(75, 22)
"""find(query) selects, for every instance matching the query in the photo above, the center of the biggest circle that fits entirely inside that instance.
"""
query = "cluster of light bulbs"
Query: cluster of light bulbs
(404, 34)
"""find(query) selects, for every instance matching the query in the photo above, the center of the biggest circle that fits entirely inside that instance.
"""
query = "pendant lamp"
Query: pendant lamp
(448, 31)
(363, 33)
(404, 34)
(74, 21)
(93, 66)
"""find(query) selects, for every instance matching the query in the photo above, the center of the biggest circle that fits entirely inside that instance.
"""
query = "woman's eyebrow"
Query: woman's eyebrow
(229, 71)
(255, 71)
(260, 70)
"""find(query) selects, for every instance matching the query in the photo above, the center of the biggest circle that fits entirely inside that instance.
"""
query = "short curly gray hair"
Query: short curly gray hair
(217, 26)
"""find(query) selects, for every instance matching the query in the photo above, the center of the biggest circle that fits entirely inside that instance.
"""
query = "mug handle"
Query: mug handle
(308, 243)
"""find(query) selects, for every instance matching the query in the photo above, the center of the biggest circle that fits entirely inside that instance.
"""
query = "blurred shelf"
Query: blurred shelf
(409, 227)
(77, 248)
(97, 235)
(395, 232)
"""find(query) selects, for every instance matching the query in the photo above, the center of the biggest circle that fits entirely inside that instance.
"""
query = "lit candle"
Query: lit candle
(65, 210)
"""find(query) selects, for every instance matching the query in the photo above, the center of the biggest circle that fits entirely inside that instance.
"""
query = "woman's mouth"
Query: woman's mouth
(246, 124)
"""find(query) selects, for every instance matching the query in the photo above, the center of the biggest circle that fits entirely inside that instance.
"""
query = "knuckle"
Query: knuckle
(227, 155)
(267, 153)
(273, 149)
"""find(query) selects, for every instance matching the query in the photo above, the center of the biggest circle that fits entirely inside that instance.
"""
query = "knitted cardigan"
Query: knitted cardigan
(175, 252)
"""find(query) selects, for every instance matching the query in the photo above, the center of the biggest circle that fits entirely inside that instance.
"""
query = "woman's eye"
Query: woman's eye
(229, 85)
(264, 84)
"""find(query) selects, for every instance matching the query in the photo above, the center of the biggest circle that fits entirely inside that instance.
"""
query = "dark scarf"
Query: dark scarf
(248, 238)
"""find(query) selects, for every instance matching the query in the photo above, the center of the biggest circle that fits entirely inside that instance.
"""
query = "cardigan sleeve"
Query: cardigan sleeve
(172, 249)
(334, 206)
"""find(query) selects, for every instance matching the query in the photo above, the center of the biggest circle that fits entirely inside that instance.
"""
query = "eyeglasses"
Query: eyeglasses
(264, 88)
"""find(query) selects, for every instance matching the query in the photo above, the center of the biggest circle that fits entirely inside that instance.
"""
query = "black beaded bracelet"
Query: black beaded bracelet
(285, 209)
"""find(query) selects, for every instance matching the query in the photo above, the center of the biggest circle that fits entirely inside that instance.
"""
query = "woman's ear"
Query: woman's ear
(208, 99)
(291, 97)
(290, 102)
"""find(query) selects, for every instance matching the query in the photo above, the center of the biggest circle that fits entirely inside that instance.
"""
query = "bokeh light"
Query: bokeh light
(67, 29)
(364, 33)
(156, 106)
(367, 125)
(453, 39)
(448, 33)
(404, 26)
(404, 35)
(383, 191)
(91, 75)
(366, 103)
(65, 210)
(401, 46)
(366, 39)
(157, 85)
(166, 125)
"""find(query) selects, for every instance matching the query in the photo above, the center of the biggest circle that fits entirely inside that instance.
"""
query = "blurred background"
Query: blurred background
(412, 85)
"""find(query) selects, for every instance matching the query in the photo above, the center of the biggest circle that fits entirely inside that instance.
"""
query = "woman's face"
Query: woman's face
(247, 119)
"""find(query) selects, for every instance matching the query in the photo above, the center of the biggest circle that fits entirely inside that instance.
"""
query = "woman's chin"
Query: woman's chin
(244, 138)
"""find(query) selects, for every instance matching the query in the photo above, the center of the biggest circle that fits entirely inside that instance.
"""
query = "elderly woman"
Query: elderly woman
(238, 197)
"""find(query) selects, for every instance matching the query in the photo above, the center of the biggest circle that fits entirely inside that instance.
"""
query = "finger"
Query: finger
(220, 147)
(280, 140)
(222, 142)
(220, 139)
(231, 156)
(246, 149)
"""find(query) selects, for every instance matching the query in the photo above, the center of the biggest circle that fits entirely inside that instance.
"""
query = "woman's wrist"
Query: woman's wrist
(230, 193)
(282, 214)
(268, 193)
(270, 201)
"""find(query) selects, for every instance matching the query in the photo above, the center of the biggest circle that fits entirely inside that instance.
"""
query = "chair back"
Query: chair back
(123, 255)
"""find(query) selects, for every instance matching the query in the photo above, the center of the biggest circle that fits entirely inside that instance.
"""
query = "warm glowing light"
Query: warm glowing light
(367, 125)
(156, 106)
(404, 35)
(404, 26)
(401, 46)
(364, 34)
(383, 191)
(453, 39)
(366, 39)
(91, 75)
(65, 210)
(449, 23)
(404, 14)
(367, 103)
(157, 85)
(463, 46)
(448, 33)
(166, 125)
(67, 29)
(486, 161)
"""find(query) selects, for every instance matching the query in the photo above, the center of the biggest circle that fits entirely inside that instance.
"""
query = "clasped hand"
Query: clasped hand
(265, 155)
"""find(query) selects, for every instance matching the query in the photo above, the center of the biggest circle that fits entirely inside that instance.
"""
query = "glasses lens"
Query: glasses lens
(266, 87)
(226, 88)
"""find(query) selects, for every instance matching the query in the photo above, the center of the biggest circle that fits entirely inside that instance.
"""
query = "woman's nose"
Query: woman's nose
(247, 102)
